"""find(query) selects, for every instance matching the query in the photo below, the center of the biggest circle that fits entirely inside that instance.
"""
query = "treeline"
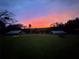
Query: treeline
(71, 27)
(7, 23)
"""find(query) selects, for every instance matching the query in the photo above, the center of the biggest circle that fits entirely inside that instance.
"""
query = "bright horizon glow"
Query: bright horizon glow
(42, 13)
(45, 21)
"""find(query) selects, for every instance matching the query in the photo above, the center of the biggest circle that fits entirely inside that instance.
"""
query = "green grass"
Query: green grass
(41, 46)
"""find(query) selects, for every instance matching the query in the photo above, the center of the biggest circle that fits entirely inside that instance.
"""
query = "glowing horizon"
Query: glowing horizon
(42, 13)
(45, 21)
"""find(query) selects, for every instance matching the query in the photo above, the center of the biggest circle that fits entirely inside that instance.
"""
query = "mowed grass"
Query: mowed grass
(40, 46)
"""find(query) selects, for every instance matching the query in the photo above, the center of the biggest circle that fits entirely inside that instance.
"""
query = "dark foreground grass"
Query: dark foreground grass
(40, 46)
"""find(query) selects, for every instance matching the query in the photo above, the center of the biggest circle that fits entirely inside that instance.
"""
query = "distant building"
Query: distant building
(14, 32)
(57, 32)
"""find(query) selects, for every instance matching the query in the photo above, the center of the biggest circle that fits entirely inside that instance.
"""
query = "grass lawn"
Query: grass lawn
(40, 46)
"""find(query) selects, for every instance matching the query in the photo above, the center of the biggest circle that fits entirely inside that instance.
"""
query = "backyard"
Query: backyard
(40, 46)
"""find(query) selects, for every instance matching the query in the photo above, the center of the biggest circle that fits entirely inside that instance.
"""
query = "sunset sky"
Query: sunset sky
(42, 13)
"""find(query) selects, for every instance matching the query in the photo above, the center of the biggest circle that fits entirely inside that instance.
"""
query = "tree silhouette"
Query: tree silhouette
(14, 27)
(30, 25)
(71, 25)
(30, 28)
(6, 17)
(2, 27)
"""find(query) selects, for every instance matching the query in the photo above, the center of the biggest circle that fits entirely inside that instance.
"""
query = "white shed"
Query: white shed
(58, 32)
